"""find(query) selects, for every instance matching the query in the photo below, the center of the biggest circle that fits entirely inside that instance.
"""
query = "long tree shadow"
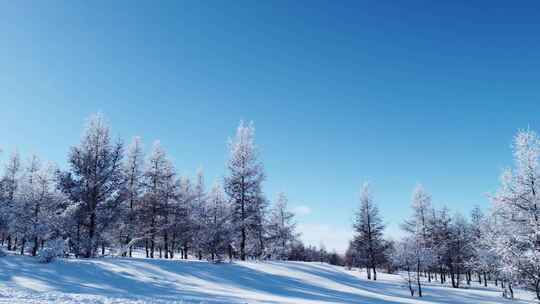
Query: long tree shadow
(135, 278)
(432, 292)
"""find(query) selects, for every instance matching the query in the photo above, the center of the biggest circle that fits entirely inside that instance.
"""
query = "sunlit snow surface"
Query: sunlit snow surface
(138, 280)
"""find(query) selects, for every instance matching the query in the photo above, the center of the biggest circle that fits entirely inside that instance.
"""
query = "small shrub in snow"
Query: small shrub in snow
(2, 253)
(53, 249)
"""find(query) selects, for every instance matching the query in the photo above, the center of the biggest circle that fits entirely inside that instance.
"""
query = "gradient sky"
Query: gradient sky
(340, 92)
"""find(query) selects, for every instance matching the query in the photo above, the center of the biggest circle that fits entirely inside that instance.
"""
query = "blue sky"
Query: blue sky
(340, 92)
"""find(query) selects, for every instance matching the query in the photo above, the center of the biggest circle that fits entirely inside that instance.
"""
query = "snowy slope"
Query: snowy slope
(123, 280)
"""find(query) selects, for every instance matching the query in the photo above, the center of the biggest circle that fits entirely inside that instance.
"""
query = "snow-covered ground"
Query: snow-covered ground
(138, 280)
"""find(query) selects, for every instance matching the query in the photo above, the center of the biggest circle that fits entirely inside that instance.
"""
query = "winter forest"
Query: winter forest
(114, 199)
(120, 200)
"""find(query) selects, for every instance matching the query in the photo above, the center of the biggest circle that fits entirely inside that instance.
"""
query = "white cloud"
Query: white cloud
(302, 210)
(333, 238)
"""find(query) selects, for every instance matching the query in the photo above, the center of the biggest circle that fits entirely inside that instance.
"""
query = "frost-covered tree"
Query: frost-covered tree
(183, 215)
(487, 259)
(478, 250)
(440, 236)
(422, 210)
(155, 208)
(96, 177)
(281, 229)
(9, 185)
(477, 219)
(419, 230)
(368, 232)
(133, 174)
(35, 204)
(405, 257)
(258, 233)
(198, 213)
(10, 178)
(243, 186)
(517, 206)
(23, 200)
(460, 249)
(216, 233)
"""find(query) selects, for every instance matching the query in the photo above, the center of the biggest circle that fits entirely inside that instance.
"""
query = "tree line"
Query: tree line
(500, 245)
(115, 199)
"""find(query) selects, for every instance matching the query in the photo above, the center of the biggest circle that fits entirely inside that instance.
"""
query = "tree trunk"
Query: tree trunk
(418, 278)
(36, 246)
(243, 232)
(409, 281)
(243, 245)
(485, 280)
(23, 243)
(166, 244)
(458, 277)
(537, 289)
(78, 240)
(91, 231)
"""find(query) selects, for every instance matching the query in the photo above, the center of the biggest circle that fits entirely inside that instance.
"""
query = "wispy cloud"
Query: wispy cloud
(302, 210)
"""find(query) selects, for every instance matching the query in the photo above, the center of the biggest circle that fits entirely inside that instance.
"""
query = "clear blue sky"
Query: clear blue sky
(340, 92)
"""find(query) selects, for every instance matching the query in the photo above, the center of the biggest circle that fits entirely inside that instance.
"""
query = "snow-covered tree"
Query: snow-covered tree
(460, 249)
(487, 259)
(257, 228)
(9, 185)
(478, 250)
(281, 229)
(441, 222)
(419, 230)
(133, 174)
(405, 257)
(243, 186)
(422, 210)
(155, 208)
(198, 213)
(35, 205)
(216, 233)
(517, 206)
(368, 232)
(96, 176)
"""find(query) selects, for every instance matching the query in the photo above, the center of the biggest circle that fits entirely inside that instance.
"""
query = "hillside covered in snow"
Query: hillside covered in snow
(138, 280)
